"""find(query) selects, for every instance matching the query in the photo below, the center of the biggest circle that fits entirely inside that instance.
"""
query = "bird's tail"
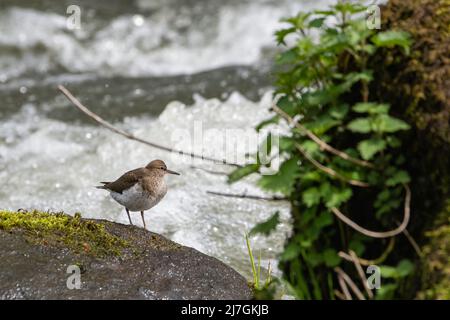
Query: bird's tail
(102, 187)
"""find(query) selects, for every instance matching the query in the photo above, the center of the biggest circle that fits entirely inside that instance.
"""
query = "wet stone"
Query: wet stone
(159, 269)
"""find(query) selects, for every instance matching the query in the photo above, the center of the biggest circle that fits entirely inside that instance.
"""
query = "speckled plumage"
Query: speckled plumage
(144, 194)
(140, 189)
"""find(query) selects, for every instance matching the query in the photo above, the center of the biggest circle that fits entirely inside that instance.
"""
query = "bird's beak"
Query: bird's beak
(172, 172)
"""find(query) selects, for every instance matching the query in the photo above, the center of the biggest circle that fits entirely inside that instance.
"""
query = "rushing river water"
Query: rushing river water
(156, 68)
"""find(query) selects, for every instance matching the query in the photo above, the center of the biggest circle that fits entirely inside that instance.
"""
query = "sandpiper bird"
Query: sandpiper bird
(140, 189)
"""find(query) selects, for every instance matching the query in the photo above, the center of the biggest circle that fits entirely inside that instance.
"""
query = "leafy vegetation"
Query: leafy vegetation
(343, 154)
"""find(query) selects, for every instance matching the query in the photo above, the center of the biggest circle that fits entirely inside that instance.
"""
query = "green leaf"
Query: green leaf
(348, 7)
(324, 12)
(299, 20)
(353, 77)
(287, 57)
(405, 267)
(310, 147)
(372, 108)
(322, 124)
(283, 180)
(331, 92)
(286, 144)
(311, 197)
(321, 97)
(386, 291)
(331, 258)
(323, 220)
(287, 105)
(311, 176)
(368, 148)
(382, 197)
(240, 173)
(357, 246)
(267, 226)
(386, 123)
(360, 125)
(393, 142)
(339, 112)
(379, 123)
(400, 176)
(325, 190)
(338, 196)
(316, 23)
(313, 258)
(388, 272)
(392, 38)
(370, 49)
(280, 35)
(291, 251)
(266, 122)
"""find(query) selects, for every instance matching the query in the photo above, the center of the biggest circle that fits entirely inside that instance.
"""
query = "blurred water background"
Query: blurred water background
(151, 67)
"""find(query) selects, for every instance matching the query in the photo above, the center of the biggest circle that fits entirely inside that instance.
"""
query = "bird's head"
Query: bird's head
(160, 167)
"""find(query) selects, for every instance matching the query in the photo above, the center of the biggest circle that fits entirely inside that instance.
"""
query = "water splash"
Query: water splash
(49, 164)
(167, 40)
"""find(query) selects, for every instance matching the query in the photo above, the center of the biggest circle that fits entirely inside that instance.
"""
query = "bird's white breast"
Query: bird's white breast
(138, 199)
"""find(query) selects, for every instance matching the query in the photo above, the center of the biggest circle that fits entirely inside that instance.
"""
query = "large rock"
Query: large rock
(148, 267)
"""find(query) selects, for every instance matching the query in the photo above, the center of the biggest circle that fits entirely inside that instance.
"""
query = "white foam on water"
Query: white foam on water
(165, 43)
(48, 164)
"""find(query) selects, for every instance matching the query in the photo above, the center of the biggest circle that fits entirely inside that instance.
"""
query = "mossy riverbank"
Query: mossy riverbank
(60, 229)
(116, 261)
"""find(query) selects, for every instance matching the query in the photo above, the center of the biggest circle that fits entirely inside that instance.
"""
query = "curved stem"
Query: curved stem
(330, 171)
(375, 234)
(322, 144)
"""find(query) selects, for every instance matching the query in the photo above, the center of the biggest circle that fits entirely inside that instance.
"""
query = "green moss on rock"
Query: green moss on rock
(436, 262)
(418, 89)
(60, 229)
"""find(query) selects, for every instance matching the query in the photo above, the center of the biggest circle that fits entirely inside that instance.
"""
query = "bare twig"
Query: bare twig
(130, 136)
(344, 288)
(378, 260)
(350, 282)
(330, 171)
(361, 273)
(413, 243)
(339, 294)
(374, 234)
(322, 144)
(247, 196)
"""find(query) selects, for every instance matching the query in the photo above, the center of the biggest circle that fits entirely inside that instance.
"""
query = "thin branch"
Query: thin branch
(339, 294)
(247, 196)
(330, 171)
(378, 260)
(350, 282)
(322, 144)
(413, 243)
(344, 288)
(374, 234)
(130, 136)
(361, 273)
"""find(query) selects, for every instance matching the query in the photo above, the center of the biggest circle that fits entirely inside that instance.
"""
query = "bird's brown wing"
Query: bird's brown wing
(127, 180)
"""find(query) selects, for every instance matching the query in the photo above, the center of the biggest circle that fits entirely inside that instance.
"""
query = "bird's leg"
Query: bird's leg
(129, 218)
(143, 220)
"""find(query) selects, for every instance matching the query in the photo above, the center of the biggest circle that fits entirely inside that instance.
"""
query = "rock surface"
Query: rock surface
(153, 267)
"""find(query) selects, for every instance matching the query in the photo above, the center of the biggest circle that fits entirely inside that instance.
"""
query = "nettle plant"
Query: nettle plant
(342, 167)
